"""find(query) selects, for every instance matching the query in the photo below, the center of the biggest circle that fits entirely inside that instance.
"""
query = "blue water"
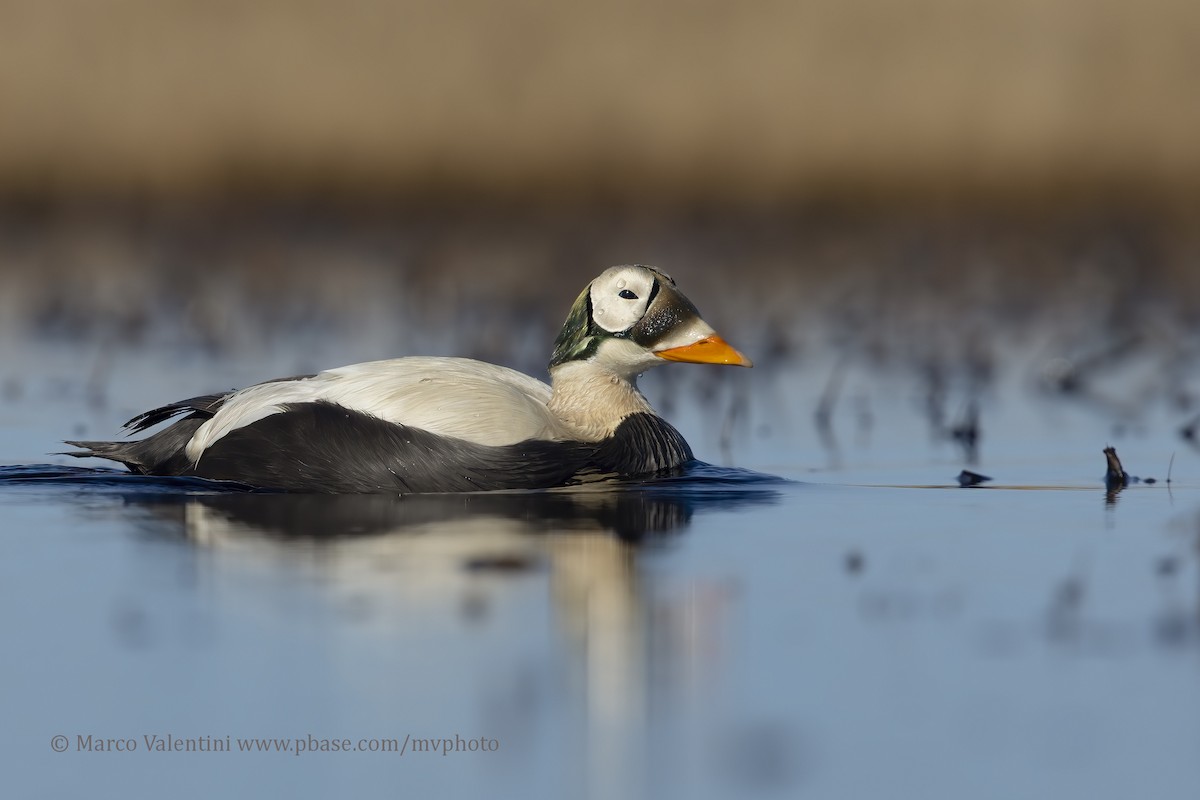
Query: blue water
(725, 633)
(857, 627)
(631, 510)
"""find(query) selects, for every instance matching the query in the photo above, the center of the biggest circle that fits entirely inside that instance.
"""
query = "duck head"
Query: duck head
(632, 318)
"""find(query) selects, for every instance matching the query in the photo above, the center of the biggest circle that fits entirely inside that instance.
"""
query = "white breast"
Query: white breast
(460, 397)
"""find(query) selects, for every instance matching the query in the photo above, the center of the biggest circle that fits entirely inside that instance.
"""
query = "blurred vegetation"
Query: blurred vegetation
(934, 170)
(497, 285)
(633, 101)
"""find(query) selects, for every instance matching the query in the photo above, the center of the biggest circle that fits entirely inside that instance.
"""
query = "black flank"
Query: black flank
(323, 447)
(643, 444)
(326, 448)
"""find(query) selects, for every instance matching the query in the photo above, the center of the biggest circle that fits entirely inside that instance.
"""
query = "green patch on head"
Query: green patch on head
(577, 339)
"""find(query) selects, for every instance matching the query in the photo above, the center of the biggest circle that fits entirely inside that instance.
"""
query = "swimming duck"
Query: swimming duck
(451, 424)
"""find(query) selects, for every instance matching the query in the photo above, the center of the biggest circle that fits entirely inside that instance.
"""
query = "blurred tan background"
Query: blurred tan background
(410, 177)
(630, 101)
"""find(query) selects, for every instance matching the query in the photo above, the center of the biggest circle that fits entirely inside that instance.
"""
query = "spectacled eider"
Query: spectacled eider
(451, 424)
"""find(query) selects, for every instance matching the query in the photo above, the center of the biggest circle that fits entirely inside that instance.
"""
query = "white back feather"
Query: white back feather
(459, 397)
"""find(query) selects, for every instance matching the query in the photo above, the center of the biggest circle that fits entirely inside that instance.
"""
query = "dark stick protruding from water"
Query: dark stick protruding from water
(967, 479)
(1115, 477)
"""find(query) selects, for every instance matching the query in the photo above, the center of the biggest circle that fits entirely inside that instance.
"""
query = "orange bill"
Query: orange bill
(709, 350)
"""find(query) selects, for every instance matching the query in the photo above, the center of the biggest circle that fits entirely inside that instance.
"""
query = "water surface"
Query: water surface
(822, 612)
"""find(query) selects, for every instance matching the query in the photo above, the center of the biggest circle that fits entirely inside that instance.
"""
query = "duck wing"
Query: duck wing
(461, 398)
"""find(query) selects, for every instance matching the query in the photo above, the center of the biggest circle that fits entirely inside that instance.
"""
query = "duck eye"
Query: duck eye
(628, 295)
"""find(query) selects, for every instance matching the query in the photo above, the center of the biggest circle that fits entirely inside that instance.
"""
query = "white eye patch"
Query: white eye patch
(619, 297)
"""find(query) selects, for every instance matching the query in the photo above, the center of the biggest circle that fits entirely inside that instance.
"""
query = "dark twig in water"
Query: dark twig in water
(967, 479)
(1115, 478)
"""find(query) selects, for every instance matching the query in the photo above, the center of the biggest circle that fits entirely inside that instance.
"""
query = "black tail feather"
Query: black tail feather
(158, 454)
(204, 405)
(113, 451)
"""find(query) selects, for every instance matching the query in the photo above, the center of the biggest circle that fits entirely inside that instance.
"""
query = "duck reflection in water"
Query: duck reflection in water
(617, 628)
